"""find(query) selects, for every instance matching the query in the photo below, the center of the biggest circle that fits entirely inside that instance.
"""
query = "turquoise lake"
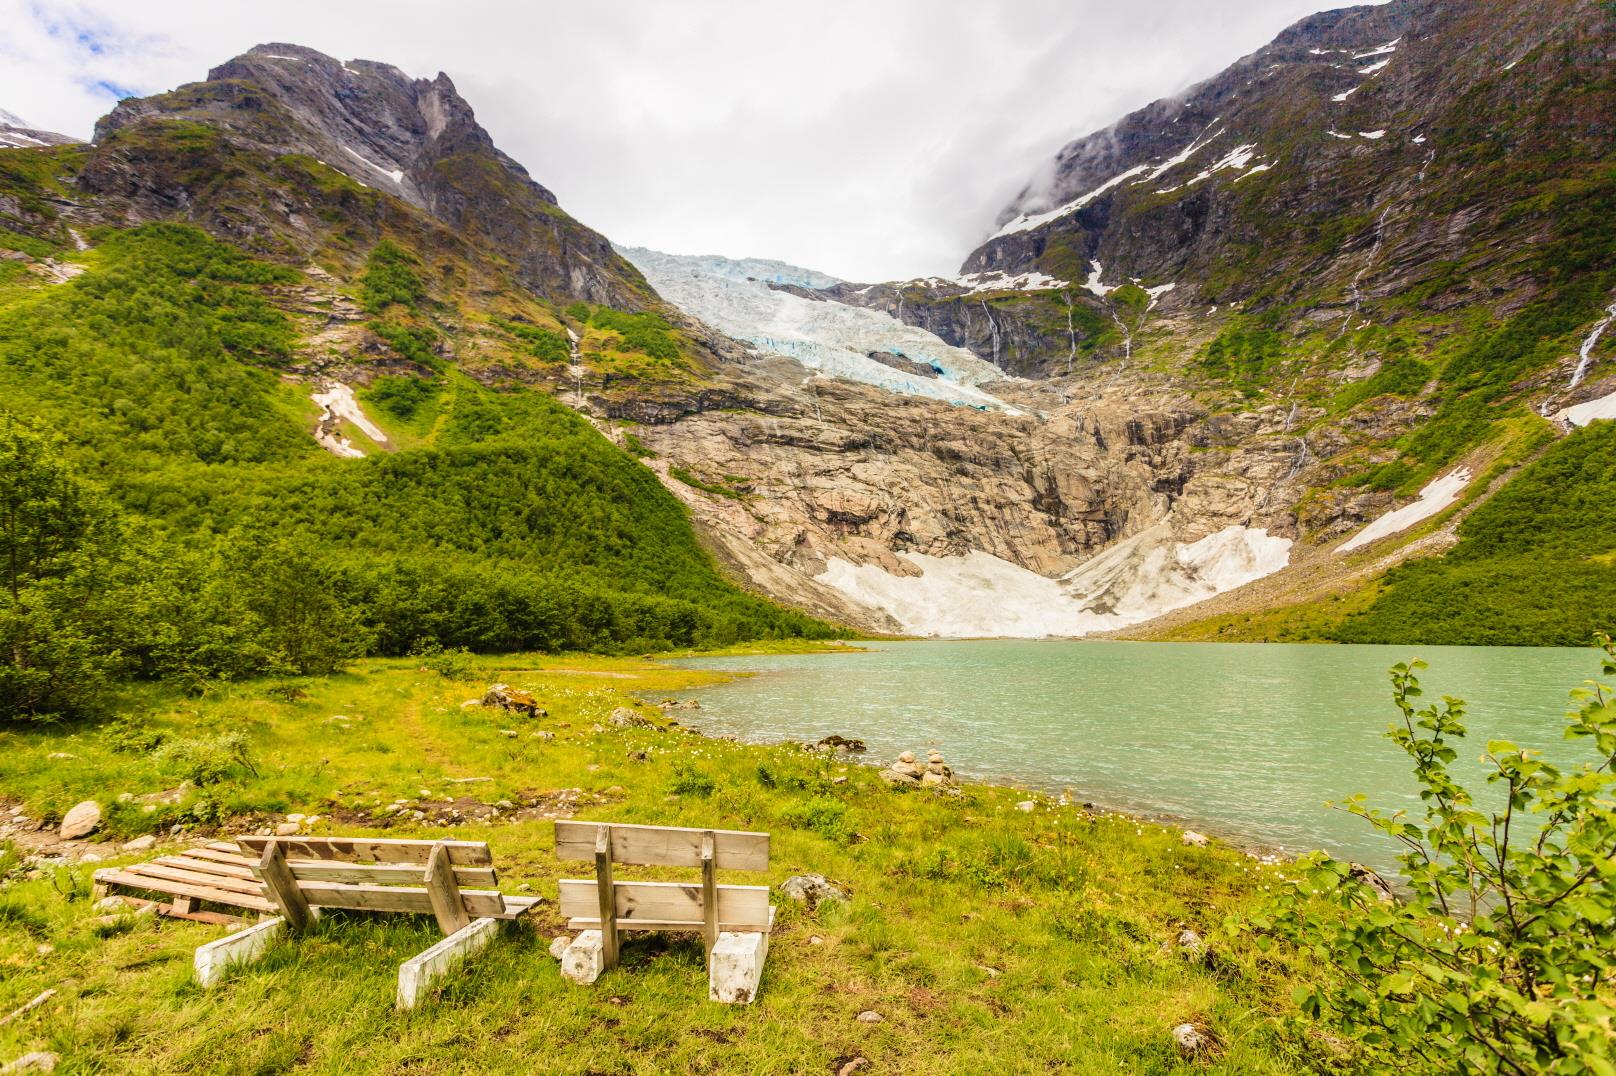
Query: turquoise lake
(1242, 741)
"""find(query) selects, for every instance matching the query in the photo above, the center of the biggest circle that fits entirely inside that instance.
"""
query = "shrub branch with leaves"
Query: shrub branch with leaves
(1499, 957)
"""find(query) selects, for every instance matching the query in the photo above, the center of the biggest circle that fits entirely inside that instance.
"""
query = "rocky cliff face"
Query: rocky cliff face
(414, 139)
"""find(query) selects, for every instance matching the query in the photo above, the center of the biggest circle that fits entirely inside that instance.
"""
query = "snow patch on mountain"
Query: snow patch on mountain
(1437, 495)
(1602, 408)
(978, 594)
(824, 335)
(1027, 222)
(337, 405)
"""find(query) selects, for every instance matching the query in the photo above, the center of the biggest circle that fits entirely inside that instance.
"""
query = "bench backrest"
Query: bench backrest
(664, 846)
(609, 905)
(377, 874)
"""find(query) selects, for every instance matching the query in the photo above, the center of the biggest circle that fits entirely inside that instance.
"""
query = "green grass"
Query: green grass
(991, 940)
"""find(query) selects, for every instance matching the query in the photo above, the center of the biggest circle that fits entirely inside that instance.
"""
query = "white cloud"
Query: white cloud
(873, 141)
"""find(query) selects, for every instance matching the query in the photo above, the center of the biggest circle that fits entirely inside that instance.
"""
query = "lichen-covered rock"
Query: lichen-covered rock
(812, 890)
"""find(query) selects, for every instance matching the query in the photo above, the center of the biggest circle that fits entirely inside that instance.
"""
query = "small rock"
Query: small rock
(39, 1061)
(869, 1016)
(140, 844)
(988, 970)
(296, 818)
(929, 778)
(287, 829)
(81, 821)
(110, 906)
(558, 946)
(1193, 1040)
(812, 890)
(509, 734)
(908, 757)
(1196, 840)
(638, 756)
(858, 1064)
(615, 790)
(1190, 946)
(838, 780)
(425, 793)
(89, 857)
(815, 939)
(1026, 805)
(543, 735)
(897, 777)
(505, 805)
(1375, 882)
(311, 820)
(59, 755)
(624, 718)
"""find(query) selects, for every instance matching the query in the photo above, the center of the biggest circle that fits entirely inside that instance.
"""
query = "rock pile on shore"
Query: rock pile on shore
(906, 771)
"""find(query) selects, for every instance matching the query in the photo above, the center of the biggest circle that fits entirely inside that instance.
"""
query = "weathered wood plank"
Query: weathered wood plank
(191, 877)
(283, 889)
(445, 894)
(320, 870)
(372, 849)
(664, 846)
(604, 905)
(252, 901)
(417, 974)
(740, 907)
(212, 854)
(481, 903)
(243, 947)
(203, 866)
(709, 894)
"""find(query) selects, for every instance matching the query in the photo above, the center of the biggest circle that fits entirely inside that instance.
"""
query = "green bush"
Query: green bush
(208, 760)
(687, 780)
(390, 279)
(822, 815)
(1499, 955)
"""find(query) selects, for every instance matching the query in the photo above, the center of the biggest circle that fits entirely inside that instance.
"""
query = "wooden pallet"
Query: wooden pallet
(216, 874)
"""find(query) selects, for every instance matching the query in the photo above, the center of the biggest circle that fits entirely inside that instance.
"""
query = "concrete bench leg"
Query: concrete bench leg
(242, 947)
(417, 974)
(585, 958)
(735, 966)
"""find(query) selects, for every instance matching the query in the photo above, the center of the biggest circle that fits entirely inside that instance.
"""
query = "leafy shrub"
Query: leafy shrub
(690, 781)
(822, 815)
(129, 735)
(545, 345)
(454, 663)
(645, 332)
(1498, 957)
(402, 397)
(208, 760)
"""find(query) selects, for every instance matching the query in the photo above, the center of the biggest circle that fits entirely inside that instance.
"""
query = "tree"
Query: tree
(56, 532)
(297, 597)
(1500, 955)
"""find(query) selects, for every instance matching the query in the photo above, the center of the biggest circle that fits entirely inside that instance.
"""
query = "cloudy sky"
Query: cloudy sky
(872, 139)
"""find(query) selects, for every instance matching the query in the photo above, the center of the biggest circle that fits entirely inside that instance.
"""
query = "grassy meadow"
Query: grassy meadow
(990, 939)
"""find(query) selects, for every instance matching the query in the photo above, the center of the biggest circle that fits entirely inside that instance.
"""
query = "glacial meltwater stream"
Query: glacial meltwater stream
(1242, 741)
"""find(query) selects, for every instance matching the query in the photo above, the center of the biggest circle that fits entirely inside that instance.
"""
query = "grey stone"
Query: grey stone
(140, 844)
(812, 890)
(869, 1016)
(81, 821)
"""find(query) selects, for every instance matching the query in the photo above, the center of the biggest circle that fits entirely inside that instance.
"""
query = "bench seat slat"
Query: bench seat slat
(205, 866)
(315, 870)
(663, 846)
(157, 869)
(582, 923)
(377, 849)
(739, 906)
(252, 901)
(479, 903)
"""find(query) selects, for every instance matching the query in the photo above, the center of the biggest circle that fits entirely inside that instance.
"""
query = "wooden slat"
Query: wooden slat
(371, 849)
(740, 907)
(205, 866)
(282, 888)
(604, 906)
(253, 902)
(664, 846)
(166, 908)
(214, 855)
(317, 870)
(177, 874)
(709, 893)
(480, 903)
(445, 894)
(695, 926)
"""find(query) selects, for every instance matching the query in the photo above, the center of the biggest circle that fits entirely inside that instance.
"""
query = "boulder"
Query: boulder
(835, 742)
(624, 718)
(1196, 840)
(1382, 890)
(81, 821)
(812, 890)
(869, 1016)
(558, 946)
(895, 777)
(506, 697)
(1026, 805)
(288, 829)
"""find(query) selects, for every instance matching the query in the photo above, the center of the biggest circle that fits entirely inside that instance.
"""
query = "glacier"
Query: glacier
(828, 337)
(978, 595)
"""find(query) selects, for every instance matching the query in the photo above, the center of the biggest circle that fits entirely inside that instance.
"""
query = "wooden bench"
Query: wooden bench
(197, 881)
(734, 920)
(301, 876)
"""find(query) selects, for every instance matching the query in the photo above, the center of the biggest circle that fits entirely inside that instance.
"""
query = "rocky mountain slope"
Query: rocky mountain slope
(1357, 278)
(1373, 259)
(17, 133)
